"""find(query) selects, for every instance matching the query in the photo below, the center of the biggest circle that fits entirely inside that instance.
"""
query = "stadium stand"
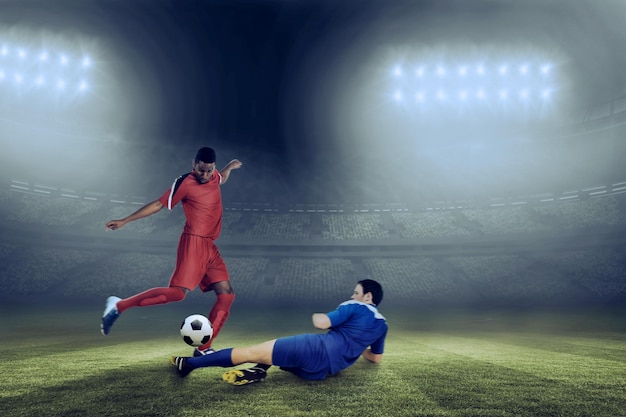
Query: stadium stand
(559, 252)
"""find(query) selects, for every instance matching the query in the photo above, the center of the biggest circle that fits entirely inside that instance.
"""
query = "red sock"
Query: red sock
(154, 296)
(218, 315)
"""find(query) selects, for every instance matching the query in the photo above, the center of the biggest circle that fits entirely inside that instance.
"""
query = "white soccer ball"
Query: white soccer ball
(196, 330)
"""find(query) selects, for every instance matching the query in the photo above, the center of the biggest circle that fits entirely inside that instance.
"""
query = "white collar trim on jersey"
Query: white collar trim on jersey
(371, 307)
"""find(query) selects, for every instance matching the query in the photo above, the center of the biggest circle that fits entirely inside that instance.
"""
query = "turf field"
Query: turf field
(55, 362)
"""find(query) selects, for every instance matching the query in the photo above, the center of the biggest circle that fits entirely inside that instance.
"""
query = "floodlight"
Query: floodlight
(458, 83)
(26, 65)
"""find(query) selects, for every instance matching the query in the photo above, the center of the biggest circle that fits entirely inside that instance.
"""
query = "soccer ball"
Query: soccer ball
(196, 330)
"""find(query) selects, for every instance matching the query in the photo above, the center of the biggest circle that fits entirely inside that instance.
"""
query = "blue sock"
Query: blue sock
(219, 358)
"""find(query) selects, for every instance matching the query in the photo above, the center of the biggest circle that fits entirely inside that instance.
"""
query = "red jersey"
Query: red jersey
(202, 204)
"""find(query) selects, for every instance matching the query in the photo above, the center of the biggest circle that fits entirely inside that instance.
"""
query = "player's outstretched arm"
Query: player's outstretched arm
(372, 357)
(225, 172)
(321, 321)
(147, 210)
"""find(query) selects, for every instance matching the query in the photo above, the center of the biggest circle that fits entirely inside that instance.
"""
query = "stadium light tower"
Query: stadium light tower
(27, 70)
(476, 84)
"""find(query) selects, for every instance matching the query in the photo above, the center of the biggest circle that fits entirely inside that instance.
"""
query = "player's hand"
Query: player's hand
(235, 164)
(114, 224)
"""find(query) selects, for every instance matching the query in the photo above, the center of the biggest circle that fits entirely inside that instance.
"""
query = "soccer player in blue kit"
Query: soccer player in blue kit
(355, 328)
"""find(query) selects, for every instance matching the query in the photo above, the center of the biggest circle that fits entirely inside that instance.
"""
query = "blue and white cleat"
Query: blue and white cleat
(197, 352)
(110, 314)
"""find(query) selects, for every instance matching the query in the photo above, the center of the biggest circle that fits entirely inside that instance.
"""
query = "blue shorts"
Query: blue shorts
(303, 355)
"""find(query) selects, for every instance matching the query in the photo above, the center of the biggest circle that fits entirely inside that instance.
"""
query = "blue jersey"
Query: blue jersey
(355, 326)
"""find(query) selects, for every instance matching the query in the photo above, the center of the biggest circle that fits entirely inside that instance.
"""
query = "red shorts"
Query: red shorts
(198, 263)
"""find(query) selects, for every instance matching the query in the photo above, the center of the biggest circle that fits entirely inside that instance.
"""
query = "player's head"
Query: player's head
(369, 286)
(206, 155)
(203, 164)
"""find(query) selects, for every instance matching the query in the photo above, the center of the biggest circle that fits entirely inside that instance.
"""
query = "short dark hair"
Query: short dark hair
(369, 285)
(206, 155)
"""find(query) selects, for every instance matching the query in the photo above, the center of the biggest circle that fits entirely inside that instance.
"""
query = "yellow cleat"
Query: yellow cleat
(244, 376)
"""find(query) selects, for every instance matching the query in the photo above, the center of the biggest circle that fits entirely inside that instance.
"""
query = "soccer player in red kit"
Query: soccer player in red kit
(198, 261)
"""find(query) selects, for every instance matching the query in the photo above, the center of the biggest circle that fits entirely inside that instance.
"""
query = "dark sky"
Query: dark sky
(239, 68)
(271, 75)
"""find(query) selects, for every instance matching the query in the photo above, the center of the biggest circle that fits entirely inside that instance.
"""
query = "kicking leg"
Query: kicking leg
(116, 306)
(261, 353)
(220, 311)
(154, 296)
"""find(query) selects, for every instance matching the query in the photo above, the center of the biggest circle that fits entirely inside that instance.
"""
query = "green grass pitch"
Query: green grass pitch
(55, 362)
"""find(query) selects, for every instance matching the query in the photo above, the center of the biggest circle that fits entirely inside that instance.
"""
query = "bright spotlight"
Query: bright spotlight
(22, 65)
(460, 82)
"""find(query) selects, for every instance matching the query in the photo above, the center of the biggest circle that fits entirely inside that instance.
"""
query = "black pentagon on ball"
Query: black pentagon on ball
(196, 325)
(205, 339)
(188, 340)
